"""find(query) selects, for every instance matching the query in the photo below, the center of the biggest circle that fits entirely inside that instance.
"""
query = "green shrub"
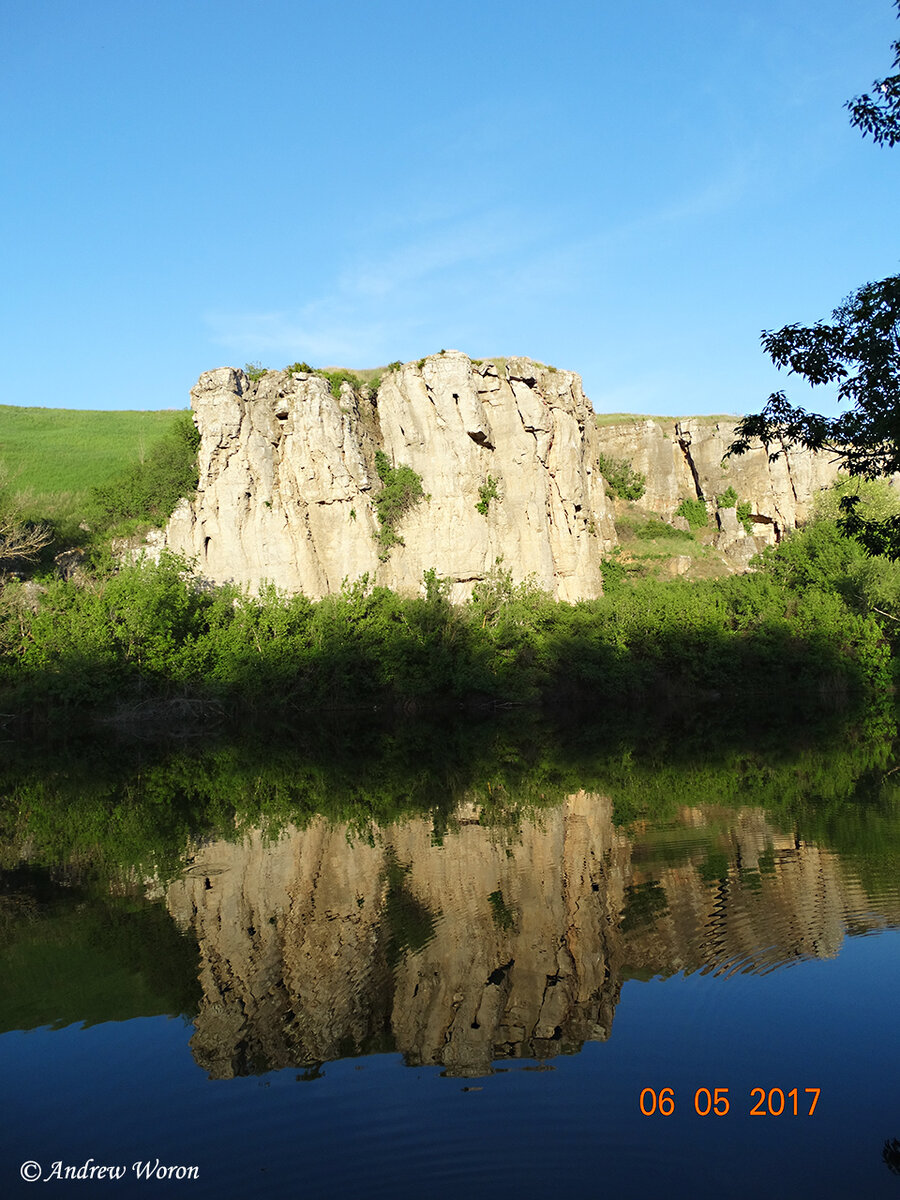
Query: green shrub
(401, 490)
(148, 491)
(300, 368)
(336, 378)
(486, 493)
(877, 499)
(255, 371)
(622, 480)
(694, 512)
(729, 499)
(655, 528)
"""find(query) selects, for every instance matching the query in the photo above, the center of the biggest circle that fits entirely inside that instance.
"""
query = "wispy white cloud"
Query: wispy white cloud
(383, 300)
(458, 271)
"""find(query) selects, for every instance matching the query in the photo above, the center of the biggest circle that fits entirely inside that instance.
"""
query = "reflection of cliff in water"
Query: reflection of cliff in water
(484, 943)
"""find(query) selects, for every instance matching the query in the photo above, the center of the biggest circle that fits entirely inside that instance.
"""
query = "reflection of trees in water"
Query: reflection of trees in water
(122, 807)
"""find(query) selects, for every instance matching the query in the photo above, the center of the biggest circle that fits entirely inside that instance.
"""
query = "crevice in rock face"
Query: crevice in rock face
(499, 975)
(787, 465)
(479, 437)
(684, 441)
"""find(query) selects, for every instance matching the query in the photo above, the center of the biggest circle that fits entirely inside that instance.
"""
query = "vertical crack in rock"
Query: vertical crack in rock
(684, 441)
(790, 475)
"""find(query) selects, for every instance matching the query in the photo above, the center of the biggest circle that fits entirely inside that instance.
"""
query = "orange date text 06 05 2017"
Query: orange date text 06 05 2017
(774, 1102)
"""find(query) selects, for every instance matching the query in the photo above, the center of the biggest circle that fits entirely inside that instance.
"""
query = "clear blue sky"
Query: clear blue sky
(631, 191)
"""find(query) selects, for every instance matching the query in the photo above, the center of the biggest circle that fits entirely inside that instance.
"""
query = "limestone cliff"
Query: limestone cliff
(287, 478)
(685, 459)
(509, 456)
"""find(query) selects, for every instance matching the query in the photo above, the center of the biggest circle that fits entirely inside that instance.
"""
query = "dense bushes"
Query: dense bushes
(148, 492)
(694, 512)
(143, 631)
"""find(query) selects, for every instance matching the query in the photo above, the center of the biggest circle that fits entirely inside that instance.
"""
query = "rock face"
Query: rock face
(288, 476)
(509, 457)
(685, 459)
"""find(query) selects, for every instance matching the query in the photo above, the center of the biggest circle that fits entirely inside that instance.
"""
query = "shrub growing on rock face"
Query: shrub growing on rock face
(336, 378)
(486, 493)
(694, 512)
(622, 481)
(401, 490)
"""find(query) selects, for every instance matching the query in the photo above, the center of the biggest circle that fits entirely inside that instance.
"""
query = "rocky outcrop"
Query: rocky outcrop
(685, 459)
(509, 457)
(288, 477)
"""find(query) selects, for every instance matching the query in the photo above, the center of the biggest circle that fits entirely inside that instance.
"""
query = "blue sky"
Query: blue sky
(630, 191)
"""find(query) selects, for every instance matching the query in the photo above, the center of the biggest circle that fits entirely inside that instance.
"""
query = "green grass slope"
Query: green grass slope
(52, 457)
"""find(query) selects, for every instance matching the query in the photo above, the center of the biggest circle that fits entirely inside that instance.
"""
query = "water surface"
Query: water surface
(270, 972)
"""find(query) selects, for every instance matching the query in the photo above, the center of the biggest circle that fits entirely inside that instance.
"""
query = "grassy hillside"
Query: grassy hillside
(52, 457)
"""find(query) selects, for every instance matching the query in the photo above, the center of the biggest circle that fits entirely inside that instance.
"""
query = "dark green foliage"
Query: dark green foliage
(823, 556)
(644, 904)
(78, 957)
(818, 615)
(694, 512)
(504, 917)
(149, 491)
(410, 923)
(255, 371)
(401, 490)
(486, 493)
(729, 499)
(859, 352)
(880, 117)
(300, 368)
(622, 480)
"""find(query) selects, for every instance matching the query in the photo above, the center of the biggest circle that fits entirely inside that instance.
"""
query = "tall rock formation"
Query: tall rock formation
(288, 479)
(510, 460)
(685, 459)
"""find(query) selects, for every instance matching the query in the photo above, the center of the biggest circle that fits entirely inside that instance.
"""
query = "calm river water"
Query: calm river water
(613, 967)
